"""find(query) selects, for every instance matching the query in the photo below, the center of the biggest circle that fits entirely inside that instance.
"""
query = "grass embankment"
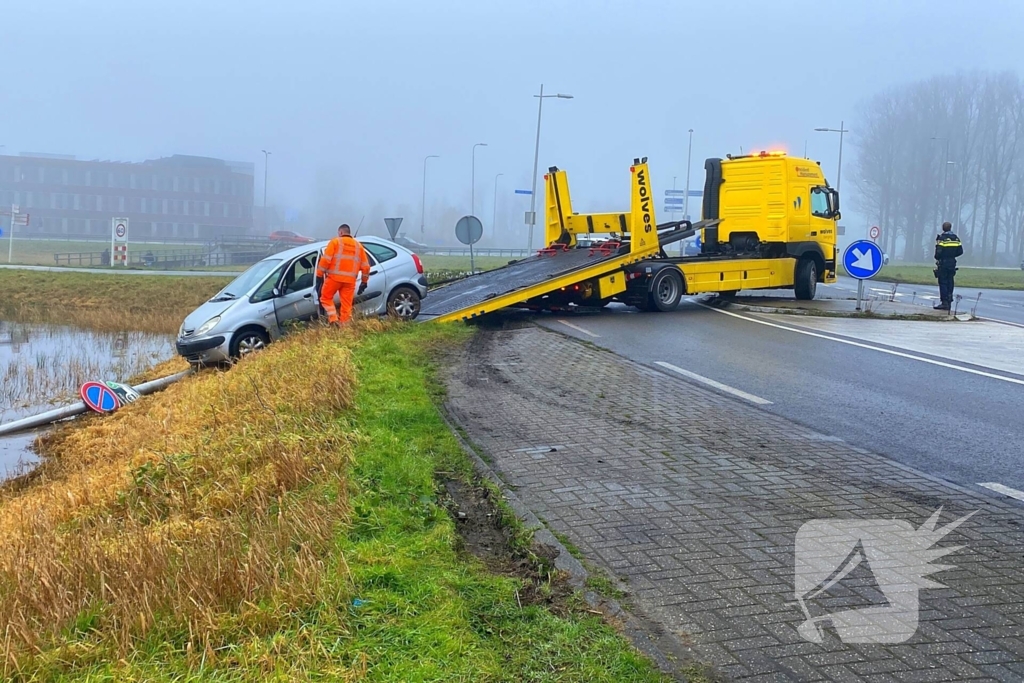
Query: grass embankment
(983, 278)
(107, 303)
(277, 521)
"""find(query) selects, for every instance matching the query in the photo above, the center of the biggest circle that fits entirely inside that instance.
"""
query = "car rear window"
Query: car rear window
(380, 252)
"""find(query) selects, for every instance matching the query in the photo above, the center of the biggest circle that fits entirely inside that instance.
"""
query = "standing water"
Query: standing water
(44, 365)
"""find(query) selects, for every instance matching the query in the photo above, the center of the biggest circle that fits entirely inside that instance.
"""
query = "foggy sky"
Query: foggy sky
(362, 91)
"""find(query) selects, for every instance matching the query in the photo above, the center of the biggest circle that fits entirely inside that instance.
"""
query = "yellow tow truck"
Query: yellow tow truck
(769, 222)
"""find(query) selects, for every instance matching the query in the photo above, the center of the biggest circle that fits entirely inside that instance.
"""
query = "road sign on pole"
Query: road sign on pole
(862, 260)
(469, 230)
(119, 233)
(874, 233)
(392, 224)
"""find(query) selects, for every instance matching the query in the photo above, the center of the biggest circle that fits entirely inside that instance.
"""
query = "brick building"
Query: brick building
(183, 197)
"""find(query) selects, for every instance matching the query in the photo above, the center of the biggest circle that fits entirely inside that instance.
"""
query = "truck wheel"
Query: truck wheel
(666, 289)
(806, 281)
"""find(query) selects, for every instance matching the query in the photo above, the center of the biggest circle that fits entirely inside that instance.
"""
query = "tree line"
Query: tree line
(946, 148)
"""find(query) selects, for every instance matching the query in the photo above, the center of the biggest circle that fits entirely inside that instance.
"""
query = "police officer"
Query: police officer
(947, 249)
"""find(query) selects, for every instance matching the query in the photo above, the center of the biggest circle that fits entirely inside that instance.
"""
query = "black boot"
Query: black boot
(942, 306)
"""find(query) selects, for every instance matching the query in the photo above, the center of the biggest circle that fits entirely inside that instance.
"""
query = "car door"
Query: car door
(296, 299)
(373, 300)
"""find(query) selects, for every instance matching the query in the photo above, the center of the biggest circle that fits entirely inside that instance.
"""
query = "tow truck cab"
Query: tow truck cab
(771, 206)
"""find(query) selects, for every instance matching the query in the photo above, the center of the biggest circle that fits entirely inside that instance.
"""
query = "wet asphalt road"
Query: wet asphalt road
(954, 425)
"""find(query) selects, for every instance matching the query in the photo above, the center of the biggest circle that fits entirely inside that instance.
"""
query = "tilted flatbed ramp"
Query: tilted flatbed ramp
(532, 277)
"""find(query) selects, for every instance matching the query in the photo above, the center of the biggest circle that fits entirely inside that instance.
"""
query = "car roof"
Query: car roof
(320, 244)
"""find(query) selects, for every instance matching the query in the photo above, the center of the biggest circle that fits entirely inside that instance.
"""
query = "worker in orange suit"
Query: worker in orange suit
(343, 260)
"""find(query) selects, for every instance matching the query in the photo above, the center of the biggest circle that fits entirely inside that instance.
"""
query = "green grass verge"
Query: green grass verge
(984, 278)
(410, 606)
(461, 263)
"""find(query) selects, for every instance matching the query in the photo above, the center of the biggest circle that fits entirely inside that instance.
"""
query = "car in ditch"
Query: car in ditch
(280, 291)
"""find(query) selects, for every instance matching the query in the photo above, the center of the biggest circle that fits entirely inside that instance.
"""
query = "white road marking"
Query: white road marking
(717, 385)
(871, 347)
(1005, 490)
(578, 328)
(1002, 305)
(1002, 322)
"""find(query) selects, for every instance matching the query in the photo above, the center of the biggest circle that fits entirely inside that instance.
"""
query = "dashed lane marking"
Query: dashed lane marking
(717, 385)
(578, 328)
(1005, 490)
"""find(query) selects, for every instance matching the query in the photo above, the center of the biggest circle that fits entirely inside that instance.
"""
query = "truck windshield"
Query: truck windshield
(819, 203)
(247, 280)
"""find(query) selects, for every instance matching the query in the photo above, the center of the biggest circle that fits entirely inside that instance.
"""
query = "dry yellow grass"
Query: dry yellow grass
(218, 496)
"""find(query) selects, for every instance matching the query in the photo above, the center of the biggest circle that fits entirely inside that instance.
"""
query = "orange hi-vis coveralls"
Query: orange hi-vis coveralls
(343, 259)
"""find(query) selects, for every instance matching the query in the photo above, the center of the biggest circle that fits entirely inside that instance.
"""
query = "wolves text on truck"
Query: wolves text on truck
(769, 222)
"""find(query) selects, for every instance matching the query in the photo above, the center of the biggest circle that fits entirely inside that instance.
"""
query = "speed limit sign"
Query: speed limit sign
(874, 233)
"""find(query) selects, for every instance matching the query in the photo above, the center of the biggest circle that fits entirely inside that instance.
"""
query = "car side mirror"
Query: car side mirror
(277, 292)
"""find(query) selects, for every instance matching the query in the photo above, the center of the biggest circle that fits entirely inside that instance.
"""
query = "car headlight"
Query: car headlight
(181, 331)
(208, 325)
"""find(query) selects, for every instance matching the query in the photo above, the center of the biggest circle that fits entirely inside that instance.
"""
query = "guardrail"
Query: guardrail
(464, 251)
(191, 258)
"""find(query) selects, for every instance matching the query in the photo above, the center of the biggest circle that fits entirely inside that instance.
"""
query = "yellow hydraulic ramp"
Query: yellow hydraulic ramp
(560, 264)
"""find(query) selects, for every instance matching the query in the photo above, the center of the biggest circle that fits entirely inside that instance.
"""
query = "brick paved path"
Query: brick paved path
(694, 499)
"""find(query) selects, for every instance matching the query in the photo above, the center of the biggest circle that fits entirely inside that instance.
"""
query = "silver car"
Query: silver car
(257, 306)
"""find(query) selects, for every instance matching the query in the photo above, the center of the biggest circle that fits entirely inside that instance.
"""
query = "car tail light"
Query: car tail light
(419, 264)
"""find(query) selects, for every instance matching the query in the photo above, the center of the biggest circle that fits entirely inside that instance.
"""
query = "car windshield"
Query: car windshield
(247, 280)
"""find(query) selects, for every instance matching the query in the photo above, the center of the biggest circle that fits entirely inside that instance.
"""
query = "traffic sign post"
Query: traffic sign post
(862, 260)
(392, 224)
(17, 218)
(469, 230)
(119, 233)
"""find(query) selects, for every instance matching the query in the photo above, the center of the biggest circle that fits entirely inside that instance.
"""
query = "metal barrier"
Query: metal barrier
(167, 259)
(464, 251)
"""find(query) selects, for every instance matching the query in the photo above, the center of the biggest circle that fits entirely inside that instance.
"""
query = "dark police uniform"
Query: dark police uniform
(947, 249)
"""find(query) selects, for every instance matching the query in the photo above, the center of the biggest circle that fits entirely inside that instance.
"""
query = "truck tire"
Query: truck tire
(666, 289)
(805, 282)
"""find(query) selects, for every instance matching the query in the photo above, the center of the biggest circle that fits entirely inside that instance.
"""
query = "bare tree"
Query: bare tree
(908, 184)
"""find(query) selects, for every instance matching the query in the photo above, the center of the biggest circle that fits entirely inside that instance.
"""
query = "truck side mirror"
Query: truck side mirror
(835, 203)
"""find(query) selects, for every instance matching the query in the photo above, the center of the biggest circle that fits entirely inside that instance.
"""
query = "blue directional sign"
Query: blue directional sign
(524, 191)
(862, 259)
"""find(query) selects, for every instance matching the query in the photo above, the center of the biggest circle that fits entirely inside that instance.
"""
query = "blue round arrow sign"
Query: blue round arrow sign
(862, 259)
(99, 397)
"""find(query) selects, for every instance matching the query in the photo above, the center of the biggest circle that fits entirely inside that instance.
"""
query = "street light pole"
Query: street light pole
(494, 211)
(536, 156)
(842, 131)
(266, 158)
(423, 202)
(472, 189)
(686, 197)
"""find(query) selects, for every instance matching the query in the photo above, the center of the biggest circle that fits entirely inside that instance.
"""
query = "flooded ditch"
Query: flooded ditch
(43, 366)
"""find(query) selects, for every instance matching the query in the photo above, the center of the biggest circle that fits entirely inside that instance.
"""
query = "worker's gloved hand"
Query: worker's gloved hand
(362, 288)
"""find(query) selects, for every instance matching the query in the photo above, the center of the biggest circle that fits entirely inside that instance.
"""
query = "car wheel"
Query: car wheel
(404, 303)
(248, 341)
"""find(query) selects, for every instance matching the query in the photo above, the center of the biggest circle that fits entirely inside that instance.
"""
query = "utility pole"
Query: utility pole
(686, 197)
(423, 202)
(494, 211)
(472, 189)
(266, 158)
(536, 156)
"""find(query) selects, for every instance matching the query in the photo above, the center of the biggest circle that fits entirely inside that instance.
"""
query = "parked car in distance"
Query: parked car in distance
(410, 243)
(279, 291)
(289, 237)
